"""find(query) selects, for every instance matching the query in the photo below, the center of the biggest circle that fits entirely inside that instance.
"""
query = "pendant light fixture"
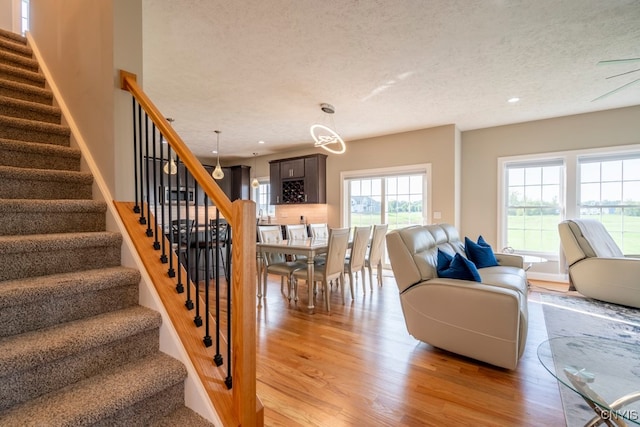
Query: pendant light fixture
(254, 181)
(324, 136)
(170, 167)
(217, 172)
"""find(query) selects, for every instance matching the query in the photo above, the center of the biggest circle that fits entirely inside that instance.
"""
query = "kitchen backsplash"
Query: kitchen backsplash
(313, 213)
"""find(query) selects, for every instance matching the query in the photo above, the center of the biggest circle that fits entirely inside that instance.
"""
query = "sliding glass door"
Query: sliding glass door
(395, 196)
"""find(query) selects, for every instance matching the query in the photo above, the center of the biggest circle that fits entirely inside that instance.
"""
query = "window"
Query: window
(609, 191)
(262, 196)
(25, 16)
(533, 205)
(539, 191)
(394, 196)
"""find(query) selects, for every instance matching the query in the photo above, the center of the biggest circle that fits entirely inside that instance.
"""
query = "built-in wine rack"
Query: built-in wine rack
(293, 191)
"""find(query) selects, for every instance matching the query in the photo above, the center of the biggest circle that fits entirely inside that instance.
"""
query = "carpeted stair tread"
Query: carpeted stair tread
(16, 47)
(21, 206)
(28, 110)
(39, 156)
(34, 131)
(46, 174)
(21, 183)
(15, 37)
(24, 351)
(64, 297)
(54, 242)
(18, 60)
(21, 291)
(27, 216)
(101, 396)
(20, 75)
(45, 254)
(25, 91)
(76, 348)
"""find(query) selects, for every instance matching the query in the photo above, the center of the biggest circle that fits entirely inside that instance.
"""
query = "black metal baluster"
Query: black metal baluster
(189, 302)
(197, 319)
(154, 185)
(142, 219)
(179, 285)
(207, 274)
(164, 228)
(227, 258)
(171, 272)
(217, 358)
(148, 172)
(136, 206)
(229, 380)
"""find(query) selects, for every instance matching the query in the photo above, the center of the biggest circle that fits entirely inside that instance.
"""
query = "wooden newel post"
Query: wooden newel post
(243, 312)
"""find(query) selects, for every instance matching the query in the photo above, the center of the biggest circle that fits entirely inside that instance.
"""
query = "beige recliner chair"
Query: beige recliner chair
(484, 320)
(597, 267)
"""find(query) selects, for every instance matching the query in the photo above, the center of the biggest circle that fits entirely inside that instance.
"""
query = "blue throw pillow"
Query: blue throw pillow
(456, 267)
(444, 259)
(481, 253)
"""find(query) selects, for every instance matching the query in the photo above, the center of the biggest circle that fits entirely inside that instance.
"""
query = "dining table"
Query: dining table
(309, 247)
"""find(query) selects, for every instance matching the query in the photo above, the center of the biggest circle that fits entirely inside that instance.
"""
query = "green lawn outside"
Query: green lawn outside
(544, 238)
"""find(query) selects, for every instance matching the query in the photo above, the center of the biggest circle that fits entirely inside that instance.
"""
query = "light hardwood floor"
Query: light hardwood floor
(358, 366)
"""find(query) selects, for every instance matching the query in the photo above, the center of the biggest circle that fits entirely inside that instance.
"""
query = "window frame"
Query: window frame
(346, 176)
(569, 190)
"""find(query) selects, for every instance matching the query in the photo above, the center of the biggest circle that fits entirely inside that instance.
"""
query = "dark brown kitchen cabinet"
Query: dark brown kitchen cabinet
(293, 168)
(298, 180)
(236, 183)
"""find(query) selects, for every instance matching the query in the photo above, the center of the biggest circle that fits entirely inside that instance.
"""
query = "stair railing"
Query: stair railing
(197, 234)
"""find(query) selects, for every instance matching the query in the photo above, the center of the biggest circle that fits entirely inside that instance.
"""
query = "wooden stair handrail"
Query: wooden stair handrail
(128, 82)
(240, 215)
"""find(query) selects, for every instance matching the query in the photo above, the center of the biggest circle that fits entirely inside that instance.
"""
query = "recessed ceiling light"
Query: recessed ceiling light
(261, 142)
(513, 100)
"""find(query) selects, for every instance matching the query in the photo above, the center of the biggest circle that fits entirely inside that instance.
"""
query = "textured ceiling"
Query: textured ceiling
(259, 69)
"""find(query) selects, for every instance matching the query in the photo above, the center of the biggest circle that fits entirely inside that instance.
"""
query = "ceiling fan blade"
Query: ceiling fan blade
(618, 61)
(615, 90)
(622, 74)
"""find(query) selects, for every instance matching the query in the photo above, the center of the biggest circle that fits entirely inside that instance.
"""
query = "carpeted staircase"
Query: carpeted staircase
(75, 347)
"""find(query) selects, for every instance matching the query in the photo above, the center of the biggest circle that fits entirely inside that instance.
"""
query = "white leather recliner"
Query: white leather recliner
(597, 267)
(484, 320)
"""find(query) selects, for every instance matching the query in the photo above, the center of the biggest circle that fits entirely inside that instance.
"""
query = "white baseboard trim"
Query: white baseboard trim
(548, 277)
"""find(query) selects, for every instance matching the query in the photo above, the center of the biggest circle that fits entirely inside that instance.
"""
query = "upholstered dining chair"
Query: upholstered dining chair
(355, 261)
(276, 263)
(296, 232)
(330, 271)
(376, 249)
(319, 231)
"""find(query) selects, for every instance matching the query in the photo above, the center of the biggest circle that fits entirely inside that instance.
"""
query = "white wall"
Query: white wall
(438, 146)
(481, 149)
(83, 44)
(11, 15)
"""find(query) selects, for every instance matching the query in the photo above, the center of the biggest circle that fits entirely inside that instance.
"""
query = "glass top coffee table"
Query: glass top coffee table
(606, 373)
